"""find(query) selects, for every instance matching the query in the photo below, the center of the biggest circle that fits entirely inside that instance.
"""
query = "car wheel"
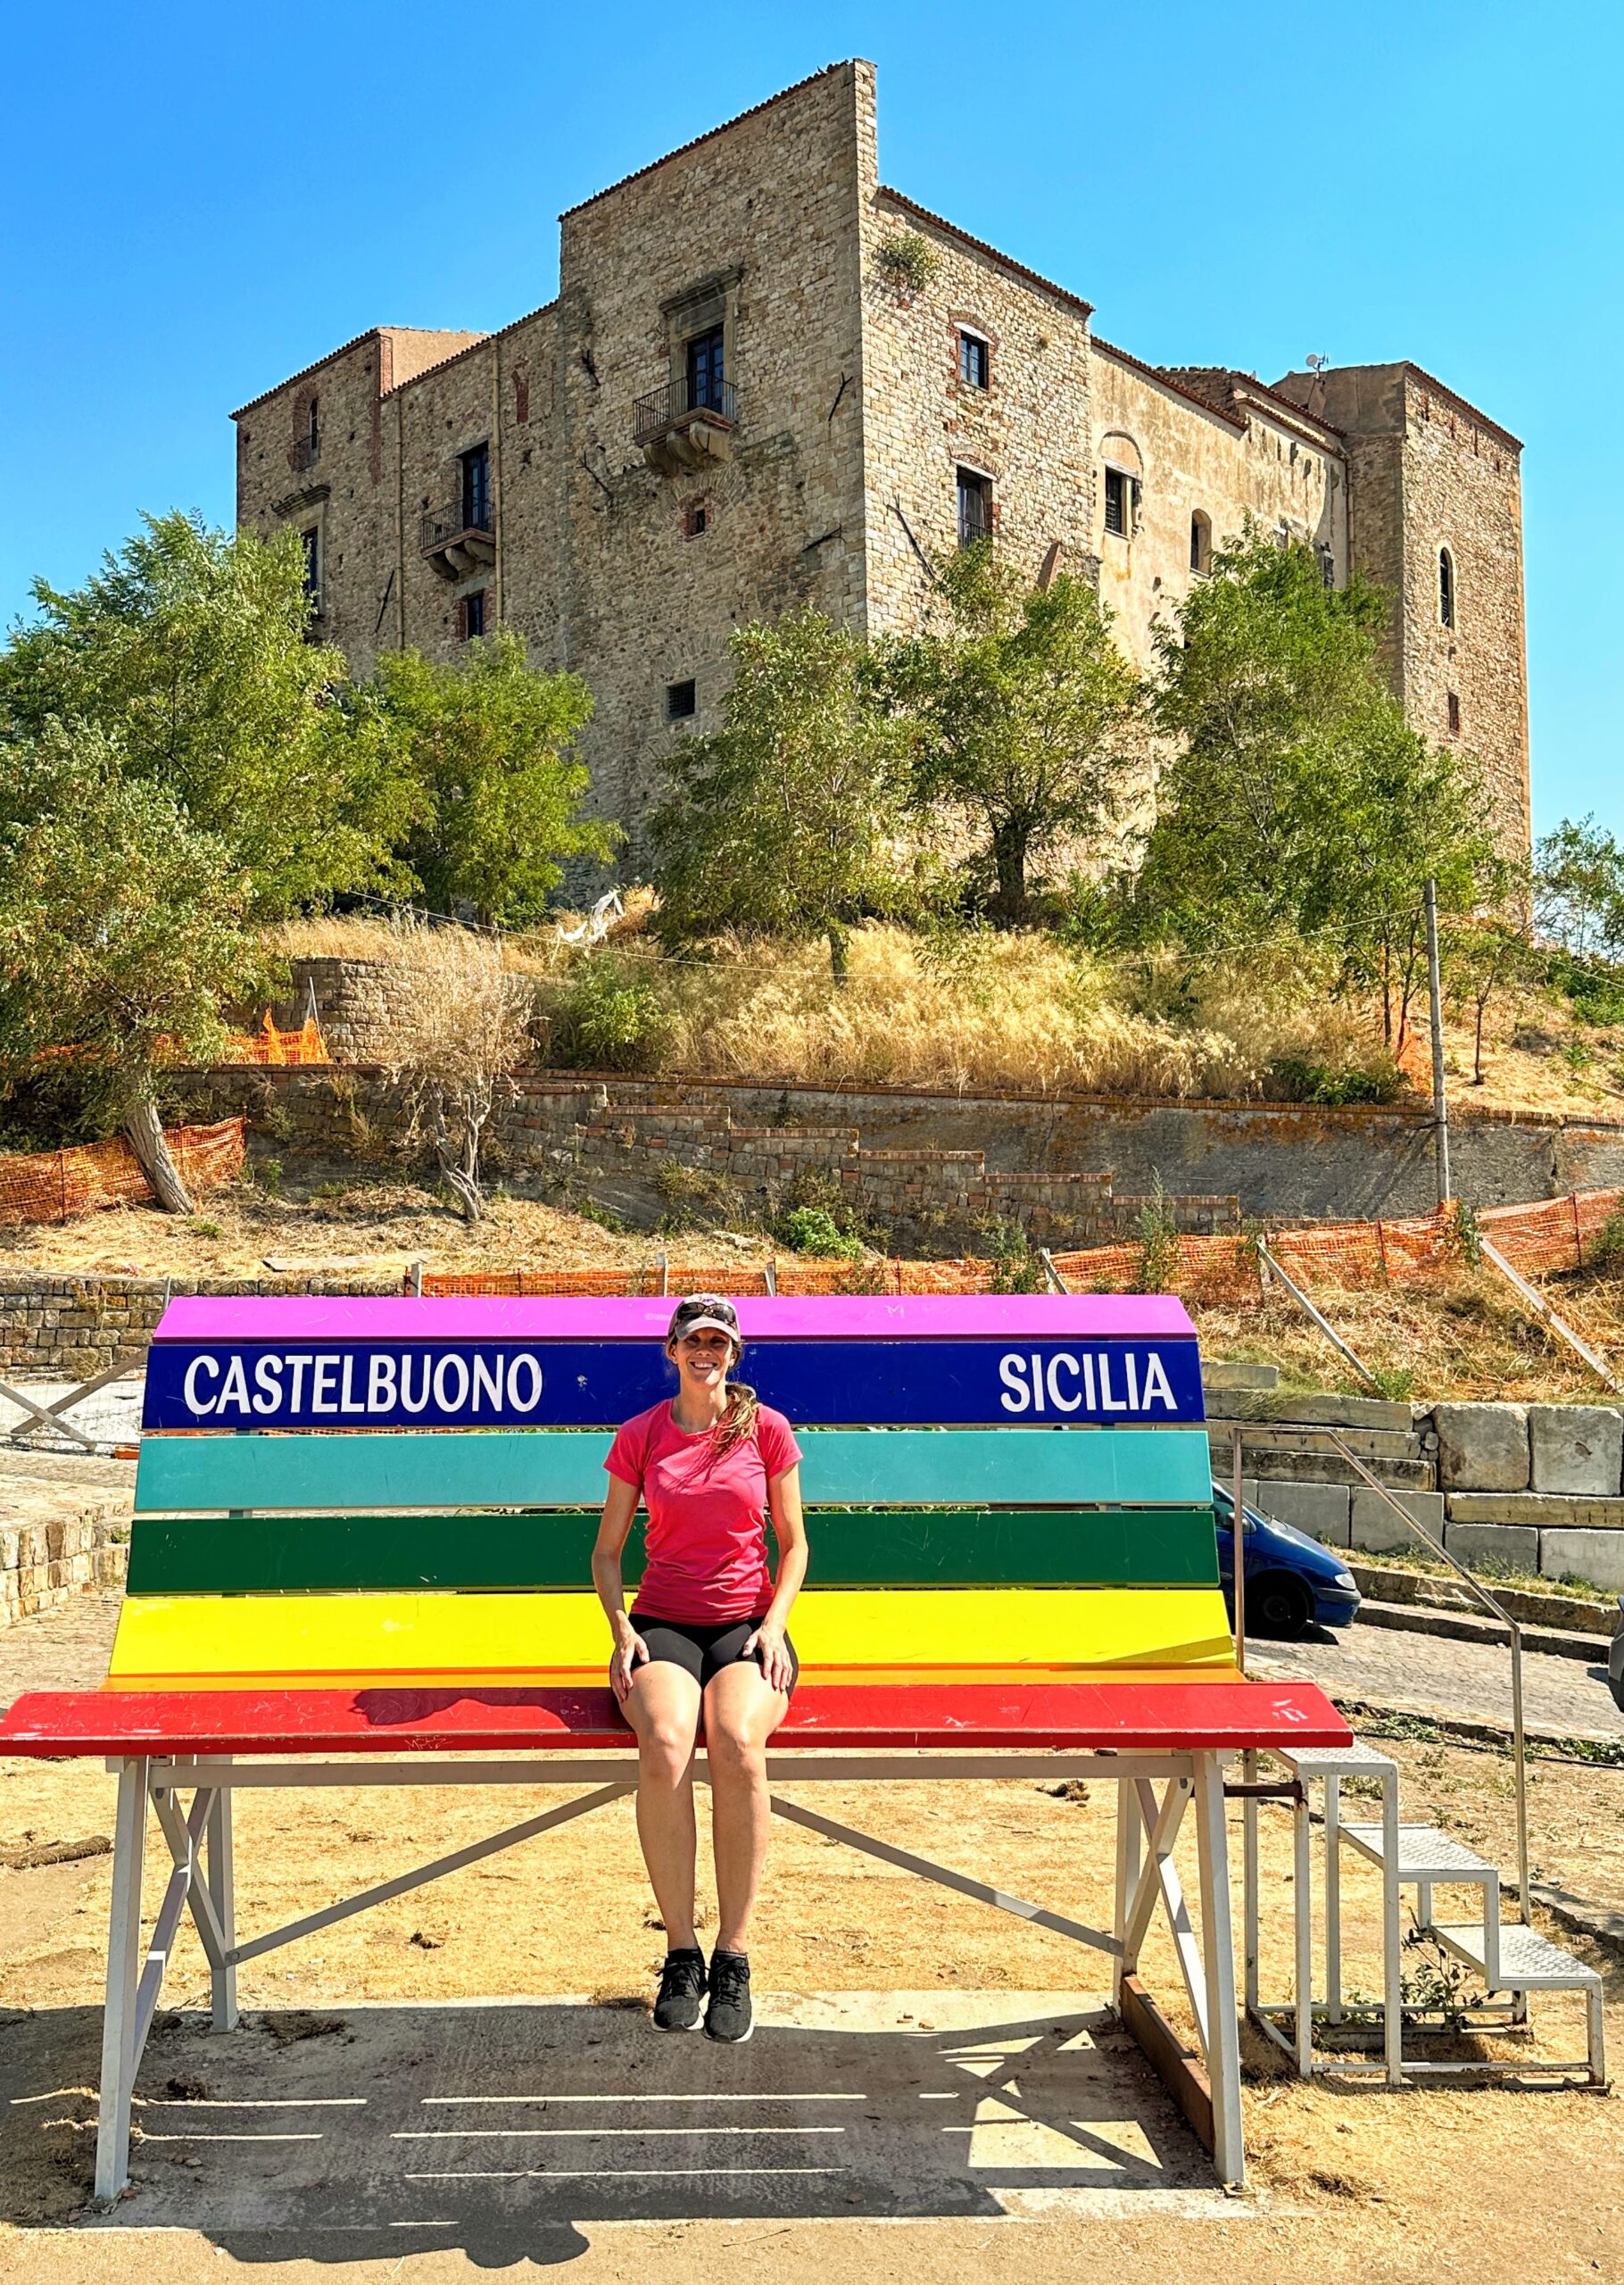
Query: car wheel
(1278, 1605)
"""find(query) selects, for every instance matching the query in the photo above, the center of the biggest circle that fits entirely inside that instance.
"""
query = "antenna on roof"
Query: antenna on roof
(1317, 364)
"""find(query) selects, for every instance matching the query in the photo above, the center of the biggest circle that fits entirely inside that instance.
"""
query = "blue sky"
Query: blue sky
(203, 200)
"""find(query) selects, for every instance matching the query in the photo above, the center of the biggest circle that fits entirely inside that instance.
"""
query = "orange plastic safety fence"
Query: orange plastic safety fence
(269, 1045)
(1551, 1233)
(55, 1185)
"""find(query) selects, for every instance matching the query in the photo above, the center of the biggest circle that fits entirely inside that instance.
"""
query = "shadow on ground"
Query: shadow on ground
(502, 2129)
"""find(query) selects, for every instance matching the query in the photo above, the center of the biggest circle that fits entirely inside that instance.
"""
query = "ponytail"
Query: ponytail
(738, 1423)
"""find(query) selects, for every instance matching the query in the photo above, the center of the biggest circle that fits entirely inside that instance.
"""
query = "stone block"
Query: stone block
(10, 1541)
(1549, 1510)
(1514, 1543)
(1482, 1447)
(1596, 1556)
(1576, 1447)
(1323, 1509)
(1373, 1526)
(1229, 1373)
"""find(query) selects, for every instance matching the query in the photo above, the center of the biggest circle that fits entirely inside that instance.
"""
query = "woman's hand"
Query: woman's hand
(767, 1644)
(631, 1651)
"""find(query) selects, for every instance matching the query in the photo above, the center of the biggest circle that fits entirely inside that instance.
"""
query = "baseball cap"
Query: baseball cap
(712, 1310)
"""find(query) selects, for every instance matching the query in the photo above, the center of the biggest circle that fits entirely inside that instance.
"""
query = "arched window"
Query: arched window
(1446, 587)
(1200, 541)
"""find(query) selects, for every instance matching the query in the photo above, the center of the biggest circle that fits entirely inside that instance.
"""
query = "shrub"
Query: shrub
(906, 261)
(1301, 1081)
(1015, 1267)
(813, 1229)
(1156, 1231)
(610, 1018)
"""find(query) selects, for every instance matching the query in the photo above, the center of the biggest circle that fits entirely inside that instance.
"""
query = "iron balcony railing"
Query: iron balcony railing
(662, 408)
(441, 525)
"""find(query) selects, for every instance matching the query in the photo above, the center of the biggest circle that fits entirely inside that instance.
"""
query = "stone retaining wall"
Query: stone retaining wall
(51, 1551)
(1538, 1487)
(62, 1328)
(599, 1134)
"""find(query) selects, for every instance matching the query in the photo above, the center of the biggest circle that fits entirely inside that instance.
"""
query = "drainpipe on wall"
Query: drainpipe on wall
(496, 500)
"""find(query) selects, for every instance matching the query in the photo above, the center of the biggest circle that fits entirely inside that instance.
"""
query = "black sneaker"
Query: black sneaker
(681, 1988)
(728, 2016)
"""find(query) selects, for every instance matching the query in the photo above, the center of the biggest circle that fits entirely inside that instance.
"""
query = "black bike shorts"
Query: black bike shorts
(703, 1650)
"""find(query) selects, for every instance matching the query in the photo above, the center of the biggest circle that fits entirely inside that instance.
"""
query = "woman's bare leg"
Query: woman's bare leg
(664, 1710)
(740, 1715)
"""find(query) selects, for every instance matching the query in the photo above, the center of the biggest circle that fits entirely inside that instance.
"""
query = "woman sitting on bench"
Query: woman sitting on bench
(707, 1634)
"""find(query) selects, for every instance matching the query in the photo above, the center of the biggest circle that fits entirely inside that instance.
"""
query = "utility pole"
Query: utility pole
(1440, 1106)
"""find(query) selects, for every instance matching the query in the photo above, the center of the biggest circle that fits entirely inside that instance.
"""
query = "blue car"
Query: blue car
(1292, 1582)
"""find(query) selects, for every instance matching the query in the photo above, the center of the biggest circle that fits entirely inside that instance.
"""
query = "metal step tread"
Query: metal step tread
(1356, 1760)
(1424, 1853)
(1529, 1961)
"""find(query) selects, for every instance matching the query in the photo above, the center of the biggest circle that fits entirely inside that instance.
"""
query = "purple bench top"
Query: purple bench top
(282, 1317)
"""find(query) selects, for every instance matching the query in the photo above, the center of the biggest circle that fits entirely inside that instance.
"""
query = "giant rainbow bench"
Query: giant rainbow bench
(362, 1529)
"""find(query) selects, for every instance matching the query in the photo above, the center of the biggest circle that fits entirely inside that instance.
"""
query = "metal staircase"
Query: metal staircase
(1510, 1959)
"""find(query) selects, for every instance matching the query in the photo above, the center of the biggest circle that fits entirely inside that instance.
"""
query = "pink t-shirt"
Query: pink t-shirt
(707, 1536)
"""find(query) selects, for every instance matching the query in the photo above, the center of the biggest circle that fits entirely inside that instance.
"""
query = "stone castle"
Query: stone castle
(768, 380)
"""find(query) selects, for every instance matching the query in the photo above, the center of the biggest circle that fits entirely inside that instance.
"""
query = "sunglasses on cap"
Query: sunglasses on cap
(711, 1311)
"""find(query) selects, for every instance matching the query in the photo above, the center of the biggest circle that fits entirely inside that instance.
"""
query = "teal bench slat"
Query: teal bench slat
(843, 1468)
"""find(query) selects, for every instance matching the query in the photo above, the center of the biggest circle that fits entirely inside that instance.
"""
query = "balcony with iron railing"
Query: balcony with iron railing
(682, 426)
(459, 537)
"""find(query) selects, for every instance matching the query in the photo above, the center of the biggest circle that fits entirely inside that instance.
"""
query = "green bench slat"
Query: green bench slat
(941, 1547)
(844, 1468)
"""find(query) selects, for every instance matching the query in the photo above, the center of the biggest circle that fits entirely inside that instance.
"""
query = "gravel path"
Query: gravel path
(1391, 1667)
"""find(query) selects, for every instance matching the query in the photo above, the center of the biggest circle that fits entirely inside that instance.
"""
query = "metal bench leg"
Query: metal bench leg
(1392, 1935)
(123, 1970)
(1249, 1904)
(1218, 1945)
(1595, 2036)
(1333, 1899)
(1302, 1883)
(219, 1878)
(1128, 1838)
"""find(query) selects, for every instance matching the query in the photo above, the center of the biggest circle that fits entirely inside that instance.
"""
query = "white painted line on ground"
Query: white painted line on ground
(600, 2134)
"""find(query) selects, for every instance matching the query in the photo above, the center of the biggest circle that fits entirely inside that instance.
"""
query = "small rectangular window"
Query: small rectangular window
(1455, 713)
(471, 615)
(311, 541)
(974, 507)
(972, 361)
(1116, 501)
(682, 702)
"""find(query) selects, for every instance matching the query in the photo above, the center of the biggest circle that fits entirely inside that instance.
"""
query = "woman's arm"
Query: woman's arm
(789, 1527)
(630, 1650)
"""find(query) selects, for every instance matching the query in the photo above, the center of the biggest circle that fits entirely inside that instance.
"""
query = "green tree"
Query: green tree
(788, 820)
(1028, 718)
(189, 650)
(1294, 793)
(123, 929)
(491, 743)
(1578, 890)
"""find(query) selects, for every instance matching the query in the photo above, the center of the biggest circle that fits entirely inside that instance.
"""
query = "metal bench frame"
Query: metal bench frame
(198, 1834)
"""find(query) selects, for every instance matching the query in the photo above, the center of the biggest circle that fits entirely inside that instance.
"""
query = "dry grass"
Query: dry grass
(1018, 1012)
(1460, 1334)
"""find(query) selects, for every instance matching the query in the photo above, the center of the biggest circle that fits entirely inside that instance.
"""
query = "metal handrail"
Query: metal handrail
(676, 401)
(1491, 1603)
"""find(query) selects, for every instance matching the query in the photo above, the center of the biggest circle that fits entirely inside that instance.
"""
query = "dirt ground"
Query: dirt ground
(1489, 2181)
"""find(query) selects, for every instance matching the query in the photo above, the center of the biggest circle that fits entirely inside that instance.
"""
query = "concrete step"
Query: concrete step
(1462, 1627)
(1325, 1409)
(1403, 1472)
(1384, 1583)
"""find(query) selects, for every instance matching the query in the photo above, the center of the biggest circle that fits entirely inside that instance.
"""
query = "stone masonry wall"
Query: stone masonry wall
(601, 1136)
(1429, 473)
